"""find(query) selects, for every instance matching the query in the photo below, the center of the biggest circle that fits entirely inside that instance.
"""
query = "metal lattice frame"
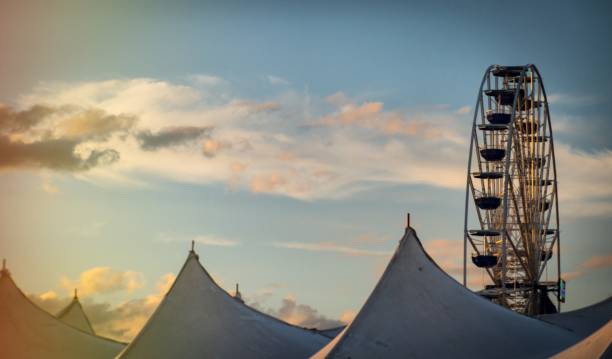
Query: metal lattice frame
(511, 190)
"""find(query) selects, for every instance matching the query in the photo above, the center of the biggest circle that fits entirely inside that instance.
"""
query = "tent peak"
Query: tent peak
(4, 271)
(192, 252)
(76, 294)
(238, 295)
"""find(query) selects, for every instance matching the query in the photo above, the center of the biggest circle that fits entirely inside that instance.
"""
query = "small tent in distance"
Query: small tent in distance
(27, 331)
(75, 316)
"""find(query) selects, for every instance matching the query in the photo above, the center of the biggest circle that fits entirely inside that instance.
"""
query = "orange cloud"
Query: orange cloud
(448, 254)
(302, 315)
(353, 113)
(595, 262)
(104, 280)
(267, 183)
(347, 316)
(122, 321)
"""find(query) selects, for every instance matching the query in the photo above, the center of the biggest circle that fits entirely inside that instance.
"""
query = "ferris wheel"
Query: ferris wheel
(511, 224)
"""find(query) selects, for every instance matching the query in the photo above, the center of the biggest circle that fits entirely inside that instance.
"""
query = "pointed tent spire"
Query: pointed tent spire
(439, 307)
(198, 319)
(192, 245)
(238, 295)
(4, 270)
(75, 316)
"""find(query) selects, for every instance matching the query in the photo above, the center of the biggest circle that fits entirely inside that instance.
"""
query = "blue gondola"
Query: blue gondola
(488, 202)
(493, 154)
(508, 71)
(488, 175)
(484, 260)
(497, 118)
(484, 232)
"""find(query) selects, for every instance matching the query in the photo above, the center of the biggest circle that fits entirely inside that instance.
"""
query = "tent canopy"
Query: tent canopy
(198, 319)
(418, 311)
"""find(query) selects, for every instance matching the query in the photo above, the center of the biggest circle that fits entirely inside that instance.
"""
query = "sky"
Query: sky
(287, 139)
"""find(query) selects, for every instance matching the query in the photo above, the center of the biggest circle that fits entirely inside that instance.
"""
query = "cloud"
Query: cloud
(330, 247)
(49, 188)
(93, 124)
(171, 136)
(207, 80)
(347, 316)
(302, 315)
(352, 113)
(56, 138)
(12, 121)
(572, 99)
(448, 254)
(59, 154)
(276, 80)
(464, 110)
(298, 145)
(122, 321)
(593, 263)
(211, 147)
(209, 240)
(104, 280)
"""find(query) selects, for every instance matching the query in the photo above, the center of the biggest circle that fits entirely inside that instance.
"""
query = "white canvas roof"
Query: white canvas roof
(75, 316)
(418, 311)
(198, 319)
(583, 321)
(27, 331)
(596, 345)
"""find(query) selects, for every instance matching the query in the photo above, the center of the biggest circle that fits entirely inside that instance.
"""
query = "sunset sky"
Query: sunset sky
(288, 140)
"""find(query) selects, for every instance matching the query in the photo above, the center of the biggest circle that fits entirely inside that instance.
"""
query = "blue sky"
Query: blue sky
(290, 185)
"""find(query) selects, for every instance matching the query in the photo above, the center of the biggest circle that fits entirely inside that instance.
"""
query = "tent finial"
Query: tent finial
(192, 244)
(4, 271)
(238, 295)
(76, 296)
(407, 220)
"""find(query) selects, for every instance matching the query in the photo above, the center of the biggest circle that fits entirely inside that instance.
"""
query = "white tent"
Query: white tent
(75, 316)
(198, 319)
(418, 311)
(27, 331)
(596, 345)
(583, 321)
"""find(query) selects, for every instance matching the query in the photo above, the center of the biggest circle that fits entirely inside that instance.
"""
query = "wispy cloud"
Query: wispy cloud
(575, 100)
(330, 247)
(204, 239)
(277, 80)
(593, 263)
(209, 240)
